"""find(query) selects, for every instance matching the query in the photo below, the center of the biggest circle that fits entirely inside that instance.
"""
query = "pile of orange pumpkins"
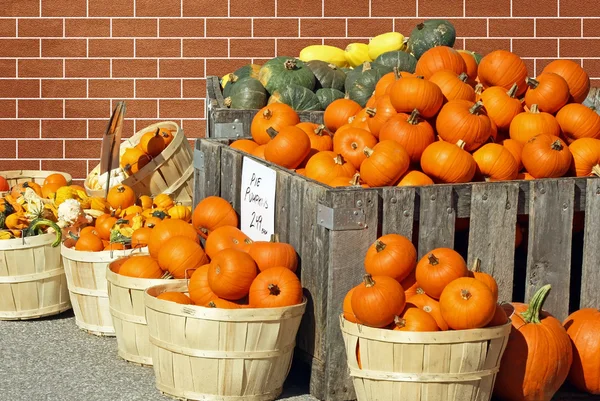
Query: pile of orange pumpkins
(453, 121)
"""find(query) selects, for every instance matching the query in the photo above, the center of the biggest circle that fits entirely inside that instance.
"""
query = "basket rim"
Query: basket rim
(94, 257)
(135, 283)
(27, 242)
(34, 174)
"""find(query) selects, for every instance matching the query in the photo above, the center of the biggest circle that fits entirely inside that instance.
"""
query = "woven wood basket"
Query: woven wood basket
(88, 288)
(15, 177)
(220, 354)
(32, 278)
(126, 300)
(418, 366)
(171, 172)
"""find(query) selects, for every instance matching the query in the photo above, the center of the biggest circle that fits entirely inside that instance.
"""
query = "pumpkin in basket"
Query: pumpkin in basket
(231, 273)
(121, 197)
(180, 256)
(429, 305)
(414, 319)
(133, 160)
(177, 297)
(198, 287)
(275, 288)
(141, 267)
(141, 237)
(270, 254)
(391, 255)
(152, 143)
(89, 242)
(467, 303)
(213, 212)
(439, 268)
(56, 178)
(378, 300)
(226, 237)
(167, 229)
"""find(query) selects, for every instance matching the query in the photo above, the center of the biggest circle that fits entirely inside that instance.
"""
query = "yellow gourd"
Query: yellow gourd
(145, 202)
(180, 212)
(357, 53)
(62, 194)
(16, 221)
(326, 53)
(100, 204)
(163, 201)
(386, 42)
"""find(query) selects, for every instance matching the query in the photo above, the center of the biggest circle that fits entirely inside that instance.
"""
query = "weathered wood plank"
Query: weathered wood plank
(590, 275)
(550, 234)
(492, 232)
(436, 218)
(207, 181)
(231, 176)
(399, 210)
(296, 200)
(282, 205)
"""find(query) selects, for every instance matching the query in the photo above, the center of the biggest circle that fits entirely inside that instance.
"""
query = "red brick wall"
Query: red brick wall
(63, 63)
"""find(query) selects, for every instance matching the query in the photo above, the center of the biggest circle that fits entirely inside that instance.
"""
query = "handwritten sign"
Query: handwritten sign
(258, 200)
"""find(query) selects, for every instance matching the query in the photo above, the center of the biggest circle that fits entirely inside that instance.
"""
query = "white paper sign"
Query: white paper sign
(258, 187)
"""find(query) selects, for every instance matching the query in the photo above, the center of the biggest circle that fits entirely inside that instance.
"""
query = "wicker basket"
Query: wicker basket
(15, 177)
(418, 366)
(220, 354)
(32, 278)
(126, 300)
(170, 173)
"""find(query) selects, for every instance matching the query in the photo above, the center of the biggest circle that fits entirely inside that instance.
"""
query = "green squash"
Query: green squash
(248, 93)
(361, 85)
(327, 75)
(431, 33)
(2, 220)
(279, 72)
(249, 70)
(399, 59)
(297, 97)
(328, 95)
(365, 68)
(593, 100)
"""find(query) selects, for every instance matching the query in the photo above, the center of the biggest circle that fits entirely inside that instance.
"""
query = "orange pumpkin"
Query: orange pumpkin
(221, 304)
(49, 189)
(152, 143)
(338, 113)
(586, 157)
(133, 160)
(259, 152)
(198, 287)
(114, 246)
(177, 297)
(276, 287)
(576, 77)
(351, 144)
(347, 307)
(496, 163)
(582, 327)
(378, 116)
(485, 278)
(466, 121)
(272, 118)
(56, 178)
(471, 65)
(245, 145)
(531, 123)
(546, 156)
(167, 229)
(503, 68)
(410, 285)
(385, 83)
(549, 91)
(500, 317)
(180, 256)
(141, 266)
(467, 303)
(104, 224)
(445, 162)
(410, 131)
(415, 178)
(270, 254)
(516, 150)
(414, 319)
(378, 300)
(320, 138)
(438, 268)
(288, 148)
(453, 86)
(231, 273)
(141, 237)
(407, 94)
(385, 164)
(121, 197)
(429, 305)
(502, 106)
(89, 242)
(226, 237)
(213, 212)
(391, 255)
(327, 166)
(578, 121)
(440, 58)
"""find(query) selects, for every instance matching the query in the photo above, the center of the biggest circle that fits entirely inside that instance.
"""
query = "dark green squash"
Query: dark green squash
(399, 59)
(328, 95)
(297, 97)
(360, 86)
(279, 72)
(248, 93)
(249, 70)
(2, 220)
(327, 75)
(431, 33)
(35, 229)
(365, 68)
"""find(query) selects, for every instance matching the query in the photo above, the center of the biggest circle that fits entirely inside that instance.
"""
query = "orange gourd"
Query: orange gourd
(56, 178)
(466, 121)
(578, 121)
(503, 68)
(414, 319)
(133, 160)
(453, 86)
(500, 317)
(276, 287)
(327, 166)
(167, 229)
(89, 243)
(226, 237)
(502, 106)
(152, 143)
(467, 303)
(288, 148)
(407, 94)
(549, 91)
(429, 305)
(378, 116)
(576, 77)
(198, 287)
(142, 266)
(448, 163)
(440, 58)
(471, 65)
(271, 118)
(438, 268)
(531, 123)
(516, 150)
(141, 237)
(496, 163)
(546, 156)
(485, 278)
(385, 83)
(231, 273)
(177, 297)
(347, 307)
(586, 157)
(415, 178)
(121, 197)
(351, 144)
(260, 152)
(245, 145)
(385, 164)
(320, 138)
(180, 256)
(213, 212)
(583, 327)
(391, 255)
(104, 224)
(338, 113)
(270, 254)
(413, 133)
(378, 300)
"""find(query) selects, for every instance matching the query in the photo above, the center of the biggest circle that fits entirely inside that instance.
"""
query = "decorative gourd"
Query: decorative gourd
(347, 307)
(414, 319)
(248, 93)
(211, 213)
(453, 86)
(360, 87)
(467, 303)
(438, 268)
(410, 131)
(495, 163)
(104, 224)
(378, 116)
(546, 156)
(516, 150)
(401, 60)
(177, 297)
(464, 120)
(338, 113)
(431, 33)
(407, 94)
(578, 121)
(152, 143)
(163, 202)
(245, 145)
(288, 148)
(378, 300)
(198, 287)
(226, 237)
(445, 162)
(121, 197)
(485, 278)
(386, 162)
(180, 256)
(356, 54)
(166, 230)
(297, 97)
(87, 242)
(503, 68)
(133, 160)
(576, 77)
(141, 237)
(327, 96)
(276, 287)
(415, 178)
(320, 138)
(386, 42)
(391, 255)
(167, 136)
(549, 91)
(231, 273)
(327, 75)
(531, 123)
(55, 178)
(274, 116)
(351, 144)
(501, 106)
(329, 54)
(538, 355)
(471, 62)
(582, 327)
(280, 72)
(270, 254)
(142, 266)
(586, 157)
(429, 305)
(326, 166)
(440, 58)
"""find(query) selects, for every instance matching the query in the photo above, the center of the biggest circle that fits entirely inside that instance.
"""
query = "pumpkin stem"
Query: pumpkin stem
(512, 92)
(354, 145)
(233, 78)
(420, 291)
(479, 89)
(534, 108)
(463, 76)
(368, 280)
(397, 74)
(290, 64)
(355, 181)
(433, 260)
(211, 304)
(556, 145)
(227, 102)
(532, 82)
(339, 160)
(332, 66)
(368, 151)
(420, 77)
(366, 66)
(476, 107)
(420, 26)
(476, 266)
(532, 314)
(204, 230)
(427, 309)
(371, 112)
(267, 114)
(351, 119)
(347, 95)
(319, 131)
(379, 245)
(274, 237)
(399, 322)
(274, 289)
(414, 117)
(272, 132)
(461, 144)
(596, 170)
(248, 241)
(465, 294)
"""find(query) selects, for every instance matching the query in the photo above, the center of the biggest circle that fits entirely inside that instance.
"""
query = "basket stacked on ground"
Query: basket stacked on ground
(126, 300)
(171, 172)
(204, 353)
(423, 366)
(15, 177)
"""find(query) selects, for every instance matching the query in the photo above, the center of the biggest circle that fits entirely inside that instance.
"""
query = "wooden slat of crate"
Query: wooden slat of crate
(436, 218)
(590, 275)
(399, 210)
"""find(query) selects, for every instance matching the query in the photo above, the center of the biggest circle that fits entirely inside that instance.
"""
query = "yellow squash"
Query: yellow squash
(386, 42)
(357, 53)
(329, 54)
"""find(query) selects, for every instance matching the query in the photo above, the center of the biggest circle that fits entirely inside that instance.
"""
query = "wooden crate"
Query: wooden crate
(222, 122)
(332, 228)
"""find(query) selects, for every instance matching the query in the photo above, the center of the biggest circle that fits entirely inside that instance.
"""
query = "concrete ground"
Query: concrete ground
(52, 360)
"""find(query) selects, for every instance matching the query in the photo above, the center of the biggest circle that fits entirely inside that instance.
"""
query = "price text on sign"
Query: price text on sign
(258, 200)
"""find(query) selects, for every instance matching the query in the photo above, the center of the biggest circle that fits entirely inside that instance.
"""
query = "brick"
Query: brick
(162, 8)
(484, 46)
(194, 88)
(19, 48)
(181, 28)
(205, 8)
(64, 8)
(137, 108)
(577, 8)
(8, 68)
(561, 27)
(40, 27)
(19, 88)
(579, 47)
(111, 48)
(393, 8)
(459, 44)
(97, 128)
(343, 8)
(64, 88)
(146, 68)
(536, 47)
(8, 108)
(194, 128)
(592, 67)
(84, 27)
(486, 8)
(64, 128)
(84, 108)
(37, 149)
(470, 27)
(8, 149)
(110, 8)
(252, 8)
(205, 47)
(83, 148)
(436, 8)
(219, 27)
(342, 43)
(299, 8)
(175, 68)
(40, 108)
(322, 27)
(21, 128)
(541, 8)
(110, 88)
(8, 28)
(157, 88)
(87, 68)
(134, 27)
(222, 66)
(541, 63)
(77, 168)
(181, 108)
(158, 48)
(64, 48)
(368, 28)
(292, 47)
(128, 127)
(591, 28)
(252, 47)
(530, 64)
(19, 165)
(20, 8)
(513, 27)
(34, 68)
(276, 28)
